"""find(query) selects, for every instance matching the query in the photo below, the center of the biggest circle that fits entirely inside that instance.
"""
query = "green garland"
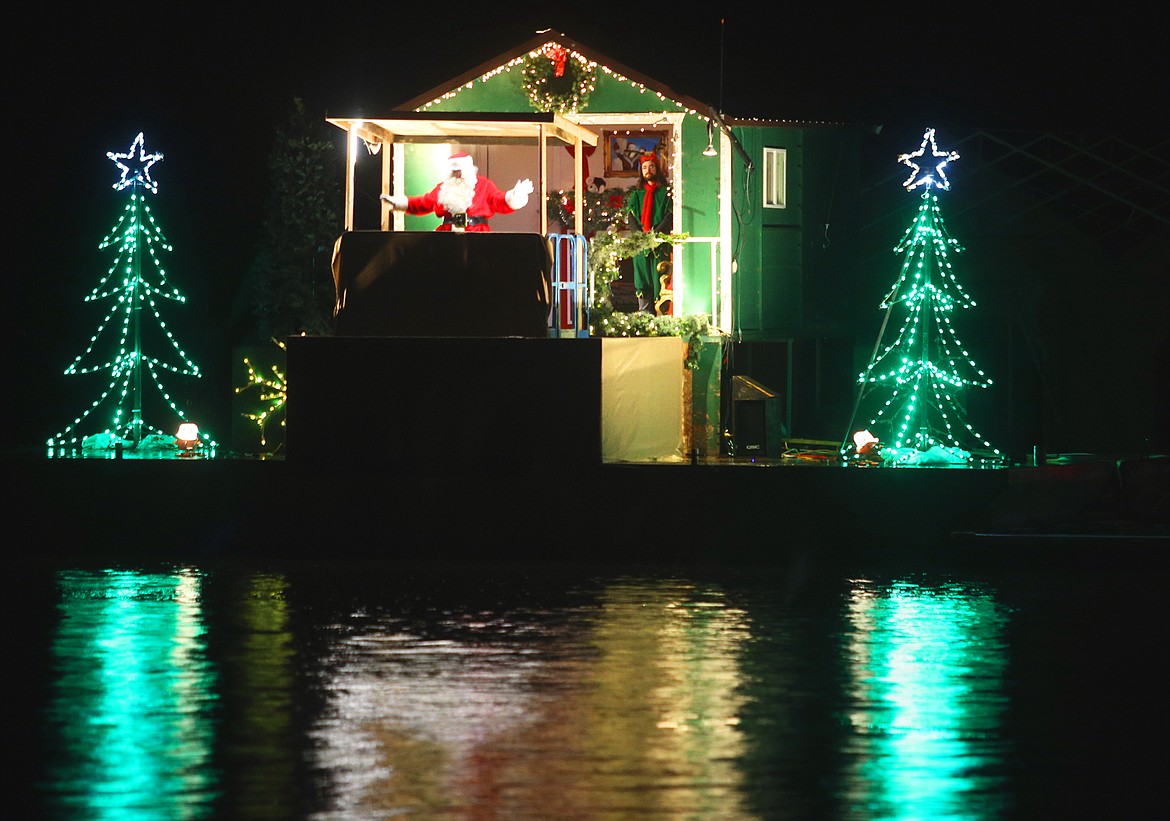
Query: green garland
(549, 92)
(606, 250)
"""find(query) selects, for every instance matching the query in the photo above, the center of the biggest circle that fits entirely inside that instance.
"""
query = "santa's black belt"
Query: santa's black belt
(462, 220)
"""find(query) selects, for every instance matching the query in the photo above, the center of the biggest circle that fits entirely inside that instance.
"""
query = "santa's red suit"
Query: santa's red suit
(464, 201)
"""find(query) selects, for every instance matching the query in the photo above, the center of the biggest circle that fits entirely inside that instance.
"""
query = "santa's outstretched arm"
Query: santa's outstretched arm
(417, 205)
(517, 197)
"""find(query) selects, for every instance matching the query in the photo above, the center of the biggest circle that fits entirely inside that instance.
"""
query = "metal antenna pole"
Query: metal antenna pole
(921, 406)
(721, 22)
(861, 392)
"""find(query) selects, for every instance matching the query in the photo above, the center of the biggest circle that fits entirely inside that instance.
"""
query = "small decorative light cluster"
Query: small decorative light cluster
(926, 366)
(119, 334)
(273, 394)
(602, 208)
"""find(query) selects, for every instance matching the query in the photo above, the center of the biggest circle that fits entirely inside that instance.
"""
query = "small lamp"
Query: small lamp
(187, 438)
(866, 444)
(710, 151)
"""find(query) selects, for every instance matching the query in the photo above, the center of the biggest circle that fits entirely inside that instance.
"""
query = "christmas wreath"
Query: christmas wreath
(556, 79)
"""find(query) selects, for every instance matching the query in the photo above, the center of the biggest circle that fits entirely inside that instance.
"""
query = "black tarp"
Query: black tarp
(413, 283)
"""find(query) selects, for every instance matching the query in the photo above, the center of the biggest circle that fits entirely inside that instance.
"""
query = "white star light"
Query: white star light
(136, 171)
(938, 176)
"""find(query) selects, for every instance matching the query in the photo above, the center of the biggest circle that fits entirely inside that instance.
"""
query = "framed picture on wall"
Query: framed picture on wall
(624, 149)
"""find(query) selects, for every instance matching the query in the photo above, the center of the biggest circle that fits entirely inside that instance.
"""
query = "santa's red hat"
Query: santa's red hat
(461, 161)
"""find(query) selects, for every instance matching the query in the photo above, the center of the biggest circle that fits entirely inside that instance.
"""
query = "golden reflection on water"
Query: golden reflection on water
(633, 712)
(259, 738)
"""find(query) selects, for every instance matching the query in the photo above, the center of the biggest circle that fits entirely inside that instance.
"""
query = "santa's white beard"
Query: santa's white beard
(455, 194)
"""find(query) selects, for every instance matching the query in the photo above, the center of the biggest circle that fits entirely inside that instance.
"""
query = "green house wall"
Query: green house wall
(794, 263)
(768, 289)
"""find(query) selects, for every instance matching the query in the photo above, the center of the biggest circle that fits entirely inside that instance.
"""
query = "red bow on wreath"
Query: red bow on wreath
(558, 55)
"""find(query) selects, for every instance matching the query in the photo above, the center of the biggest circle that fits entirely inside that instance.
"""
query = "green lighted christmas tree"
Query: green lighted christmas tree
(132, 325)
(917, 378)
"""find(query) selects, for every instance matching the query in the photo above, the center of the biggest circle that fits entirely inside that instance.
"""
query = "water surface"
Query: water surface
(548, 691)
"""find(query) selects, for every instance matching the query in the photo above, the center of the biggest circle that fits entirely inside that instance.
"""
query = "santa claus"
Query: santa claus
(464, 201)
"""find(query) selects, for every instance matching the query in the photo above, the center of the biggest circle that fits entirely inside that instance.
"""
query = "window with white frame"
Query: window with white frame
(775, 177)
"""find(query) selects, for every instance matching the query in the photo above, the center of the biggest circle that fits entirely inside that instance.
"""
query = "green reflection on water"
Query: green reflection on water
(927, 667)
(130, 720)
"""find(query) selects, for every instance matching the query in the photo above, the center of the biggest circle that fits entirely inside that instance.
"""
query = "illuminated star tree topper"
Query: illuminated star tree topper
(935, 165)
(919, 376)
(136, 170)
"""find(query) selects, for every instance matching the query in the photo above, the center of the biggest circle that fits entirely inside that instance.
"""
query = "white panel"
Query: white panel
(642, 382)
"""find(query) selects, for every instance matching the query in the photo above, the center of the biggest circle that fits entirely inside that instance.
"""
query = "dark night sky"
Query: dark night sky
(208, 84)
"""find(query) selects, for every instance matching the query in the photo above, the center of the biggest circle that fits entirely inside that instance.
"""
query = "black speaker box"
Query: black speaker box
(757, 426)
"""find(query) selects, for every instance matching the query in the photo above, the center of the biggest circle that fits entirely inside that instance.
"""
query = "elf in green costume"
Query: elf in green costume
(649, 208)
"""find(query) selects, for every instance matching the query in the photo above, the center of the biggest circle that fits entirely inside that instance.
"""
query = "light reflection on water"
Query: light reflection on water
(272, 694)
(627, 707)
(133, 699)
(927, 669)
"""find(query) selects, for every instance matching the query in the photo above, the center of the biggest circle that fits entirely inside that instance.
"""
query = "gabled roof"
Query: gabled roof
(621, 71)
(535, 44)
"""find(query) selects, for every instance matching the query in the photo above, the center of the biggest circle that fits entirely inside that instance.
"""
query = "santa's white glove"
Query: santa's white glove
(396, 203)
(517, 198)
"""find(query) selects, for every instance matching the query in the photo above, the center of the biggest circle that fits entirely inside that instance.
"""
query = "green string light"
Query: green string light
(926, 367)
(135, 239)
